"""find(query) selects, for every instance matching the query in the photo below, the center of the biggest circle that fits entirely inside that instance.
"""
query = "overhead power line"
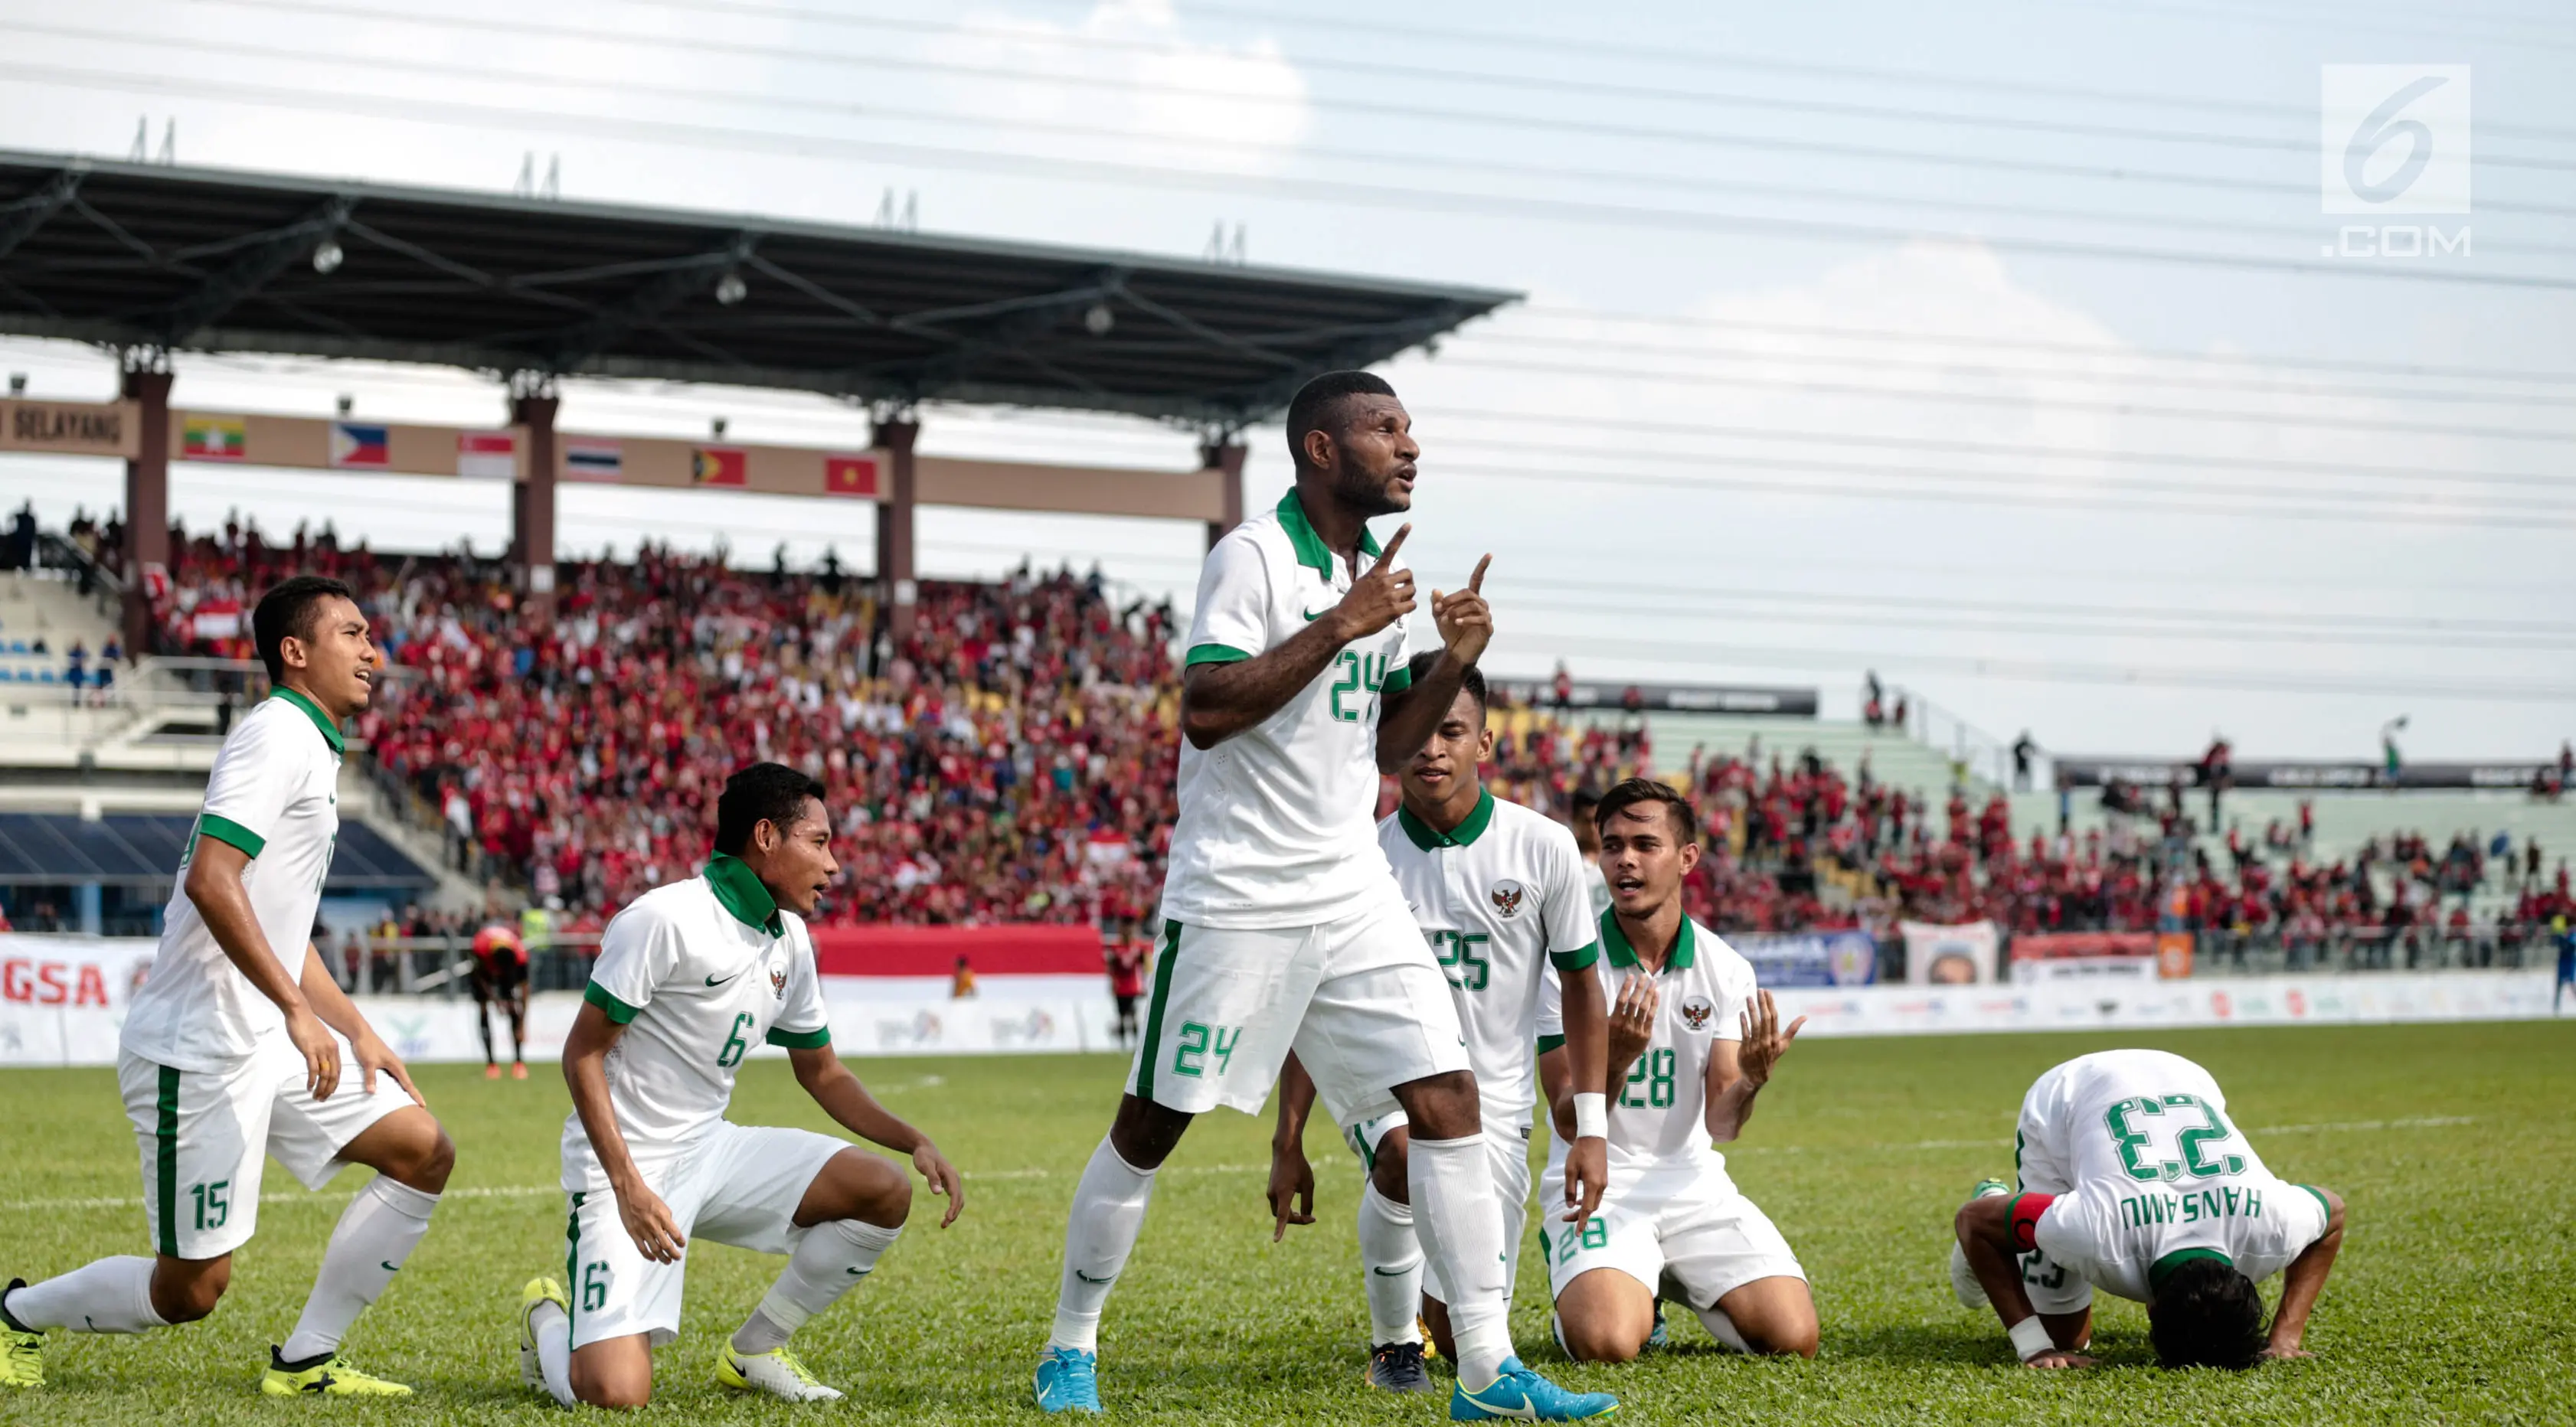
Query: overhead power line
(1068, 169)
(1731, 144)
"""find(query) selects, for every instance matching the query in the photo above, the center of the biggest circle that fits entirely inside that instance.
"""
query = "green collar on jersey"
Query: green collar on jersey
(1427, 837)
(1614, 943)
(313, 711)
(1309, 545)
(739, 889)
(2163, 1268)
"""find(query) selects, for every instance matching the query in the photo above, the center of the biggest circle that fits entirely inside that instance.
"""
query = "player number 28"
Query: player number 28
(2193, 1141)
(1650, 1081)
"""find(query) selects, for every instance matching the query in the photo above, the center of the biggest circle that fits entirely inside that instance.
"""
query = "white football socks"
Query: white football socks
(1391, 1265)
(553, 1332)
(379, 1229)
(1461, 1228)
(828, 1262)
(1722, 1328)
(109, 1296)
(1108, 1213)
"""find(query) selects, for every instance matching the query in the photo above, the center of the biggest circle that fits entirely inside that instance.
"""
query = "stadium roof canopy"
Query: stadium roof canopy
(151, 256)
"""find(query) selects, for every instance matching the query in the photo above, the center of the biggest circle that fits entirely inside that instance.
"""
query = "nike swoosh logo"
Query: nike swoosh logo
(1314, 614)
(1087, 1278)
(856, 1272)
(1390, 1272)
(1524, 1412)
(391, 1267)
(714, 982)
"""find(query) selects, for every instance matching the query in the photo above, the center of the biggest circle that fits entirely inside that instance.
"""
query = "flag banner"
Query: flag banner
(360, 447)
(487, 455)
(212, 438)
(719, 466)
(1962, 955)
(593, 461)
(850, 475)
(217, 617)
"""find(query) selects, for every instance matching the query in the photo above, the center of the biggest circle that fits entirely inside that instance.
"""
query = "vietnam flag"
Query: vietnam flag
(719, 466)
(850, 475)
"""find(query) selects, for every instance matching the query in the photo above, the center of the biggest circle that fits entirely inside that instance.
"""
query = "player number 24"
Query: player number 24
(1361, 674)
(2193, 1142)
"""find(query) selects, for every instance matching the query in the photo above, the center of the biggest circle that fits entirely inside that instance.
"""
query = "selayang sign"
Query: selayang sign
(76, 428)
(2152, 773)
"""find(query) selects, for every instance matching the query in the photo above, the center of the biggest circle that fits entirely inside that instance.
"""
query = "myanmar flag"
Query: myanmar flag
(718, 466)
(212, 438)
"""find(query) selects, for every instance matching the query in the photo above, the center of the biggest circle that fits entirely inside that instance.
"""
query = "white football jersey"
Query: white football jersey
(1659, 1116)
(1500, 898)
(2129, 1163)
(1277, 824)
(698, 972)
(273, 793)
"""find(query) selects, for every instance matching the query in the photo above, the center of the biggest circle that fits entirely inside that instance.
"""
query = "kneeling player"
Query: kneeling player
(2134, 1180)
(1501, 893)
(690, 977)
(1691, 1044)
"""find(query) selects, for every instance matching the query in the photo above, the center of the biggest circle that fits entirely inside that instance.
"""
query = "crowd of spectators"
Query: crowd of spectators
(1010, 761)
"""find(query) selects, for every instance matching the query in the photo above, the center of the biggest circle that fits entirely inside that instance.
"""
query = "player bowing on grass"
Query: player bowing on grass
(690, 977)
(229, 1053)
(2133, 1180)
(1282, 926)
(500, 973)
(1692, 1043)
(1501, 893)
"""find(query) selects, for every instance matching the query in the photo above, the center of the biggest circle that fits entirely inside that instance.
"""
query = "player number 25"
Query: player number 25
(1461, 958)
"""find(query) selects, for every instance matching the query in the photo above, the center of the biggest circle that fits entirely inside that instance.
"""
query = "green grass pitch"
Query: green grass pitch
(2455, 1144)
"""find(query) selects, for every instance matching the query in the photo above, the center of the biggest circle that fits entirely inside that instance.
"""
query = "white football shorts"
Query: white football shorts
(1684, 1232)
(737, 1185)
(1360, 999)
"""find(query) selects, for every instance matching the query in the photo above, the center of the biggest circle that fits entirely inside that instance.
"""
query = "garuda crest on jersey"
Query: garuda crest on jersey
(1507, 898)
(778, 982)
(1697, 1011)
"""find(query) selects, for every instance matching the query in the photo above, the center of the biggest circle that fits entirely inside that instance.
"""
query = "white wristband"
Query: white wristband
(1591, 1115)
(2030, 1338)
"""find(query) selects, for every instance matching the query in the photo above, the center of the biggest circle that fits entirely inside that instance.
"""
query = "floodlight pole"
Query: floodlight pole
(532, 504)
(894, 526)
(147, 498)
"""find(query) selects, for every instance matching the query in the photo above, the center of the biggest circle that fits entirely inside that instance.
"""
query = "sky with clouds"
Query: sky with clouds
(2002, 348)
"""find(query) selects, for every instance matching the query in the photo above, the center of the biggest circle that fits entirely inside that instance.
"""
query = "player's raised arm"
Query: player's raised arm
(1222, 697)
(2303, 1280)
(1466, 626)
(1737, 1070)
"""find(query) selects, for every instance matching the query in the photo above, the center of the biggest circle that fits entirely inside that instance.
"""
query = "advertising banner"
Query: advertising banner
(1810, 958)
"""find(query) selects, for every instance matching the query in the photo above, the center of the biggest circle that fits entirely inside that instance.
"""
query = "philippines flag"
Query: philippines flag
(359, 447)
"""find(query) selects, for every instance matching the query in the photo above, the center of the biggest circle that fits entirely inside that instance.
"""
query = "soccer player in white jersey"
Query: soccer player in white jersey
(2134, 1181)
(240, 1045)
(1692, 1043)
(1282, 926)
(1501, 894)
(690, 977)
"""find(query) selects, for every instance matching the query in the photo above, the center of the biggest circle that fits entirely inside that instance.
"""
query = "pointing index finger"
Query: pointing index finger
(1476, 581)
(1388, 553)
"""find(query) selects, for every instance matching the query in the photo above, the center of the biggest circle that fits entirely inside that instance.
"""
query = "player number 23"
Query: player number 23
(2192, 1142)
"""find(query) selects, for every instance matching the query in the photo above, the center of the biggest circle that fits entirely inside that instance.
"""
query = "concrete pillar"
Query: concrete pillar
(86, 904)
(894, 526)
(532, 506)
(1225, 458)
(147, 502)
